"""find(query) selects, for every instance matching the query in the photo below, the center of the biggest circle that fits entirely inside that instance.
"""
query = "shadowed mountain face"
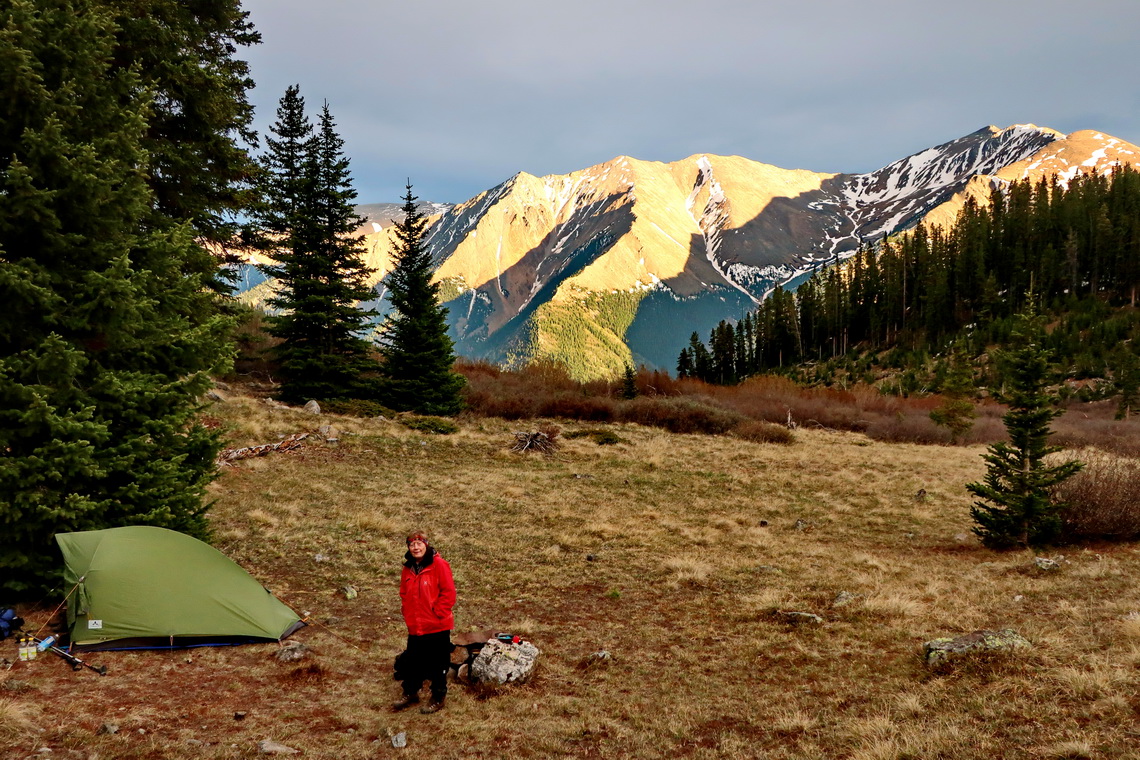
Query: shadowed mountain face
(621, 262)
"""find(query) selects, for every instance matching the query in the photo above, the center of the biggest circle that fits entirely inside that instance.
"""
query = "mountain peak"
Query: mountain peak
(621, 261)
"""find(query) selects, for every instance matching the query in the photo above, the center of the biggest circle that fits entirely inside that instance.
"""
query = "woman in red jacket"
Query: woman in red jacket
(427, 595)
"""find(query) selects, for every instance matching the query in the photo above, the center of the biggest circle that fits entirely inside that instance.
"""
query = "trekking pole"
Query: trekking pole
(68, 657)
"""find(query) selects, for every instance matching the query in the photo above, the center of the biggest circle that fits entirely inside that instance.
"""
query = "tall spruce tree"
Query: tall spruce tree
(309, 225)
(108, 328)
(1016, 508)
(418, 353)
(200, 120)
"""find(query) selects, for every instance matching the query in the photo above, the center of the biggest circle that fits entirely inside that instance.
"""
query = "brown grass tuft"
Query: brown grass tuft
(311, 672)
(764, 432)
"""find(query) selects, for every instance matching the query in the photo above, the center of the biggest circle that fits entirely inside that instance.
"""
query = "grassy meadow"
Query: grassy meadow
(672, 552)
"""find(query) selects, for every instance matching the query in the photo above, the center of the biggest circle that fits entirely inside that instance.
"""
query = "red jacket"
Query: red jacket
(428, 596)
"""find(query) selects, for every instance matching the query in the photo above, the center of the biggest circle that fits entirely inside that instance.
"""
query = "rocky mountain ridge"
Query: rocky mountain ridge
(622, 261)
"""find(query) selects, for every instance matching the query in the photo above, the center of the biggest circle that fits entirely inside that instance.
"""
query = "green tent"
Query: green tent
(147, 587)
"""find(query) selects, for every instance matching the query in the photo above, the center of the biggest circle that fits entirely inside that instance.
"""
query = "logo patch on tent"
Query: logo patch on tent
(93, 625)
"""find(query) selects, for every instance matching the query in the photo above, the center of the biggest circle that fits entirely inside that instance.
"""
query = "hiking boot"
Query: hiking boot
(404, 702)
(433, 706)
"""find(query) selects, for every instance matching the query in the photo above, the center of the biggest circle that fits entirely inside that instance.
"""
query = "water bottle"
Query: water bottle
(22, 643)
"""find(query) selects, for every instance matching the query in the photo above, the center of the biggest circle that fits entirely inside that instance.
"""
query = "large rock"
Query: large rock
(500, 662)
(945, 650)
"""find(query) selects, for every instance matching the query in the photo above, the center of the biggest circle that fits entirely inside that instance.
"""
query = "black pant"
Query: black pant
(427, 657)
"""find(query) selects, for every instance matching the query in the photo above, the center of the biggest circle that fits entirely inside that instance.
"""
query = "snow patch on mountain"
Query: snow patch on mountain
(881, 202)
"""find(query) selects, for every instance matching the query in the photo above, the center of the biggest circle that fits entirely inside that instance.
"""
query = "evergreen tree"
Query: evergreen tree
(1127, 382)
(1016, 508)
(702, 361)
(629, 383)
(108, 328)
(418, 353)
(309, 224)
(956, 412)
(684, 364)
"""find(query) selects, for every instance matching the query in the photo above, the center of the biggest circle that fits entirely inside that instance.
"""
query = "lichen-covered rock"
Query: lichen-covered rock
(1047, 565)
(499, 662)
(944, 650)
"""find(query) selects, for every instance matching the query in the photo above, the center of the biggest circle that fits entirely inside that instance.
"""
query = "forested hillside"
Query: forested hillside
(1074, 248)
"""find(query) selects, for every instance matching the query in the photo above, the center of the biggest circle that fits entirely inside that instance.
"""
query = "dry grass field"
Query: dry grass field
(674, 553)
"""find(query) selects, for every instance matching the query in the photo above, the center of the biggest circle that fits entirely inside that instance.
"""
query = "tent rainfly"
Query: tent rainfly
(142, 587)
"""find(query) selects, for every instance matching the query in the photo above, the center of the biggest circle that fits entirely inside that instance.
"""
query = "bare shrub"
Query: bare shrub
(680, 415)
(1103, 499)
(907, 429)
(575, 406)
(764, 432)
(1092, 426)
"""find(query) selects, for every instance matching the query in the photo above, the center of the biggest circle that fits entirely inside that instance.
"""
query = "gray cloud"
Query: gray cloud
(459, 96)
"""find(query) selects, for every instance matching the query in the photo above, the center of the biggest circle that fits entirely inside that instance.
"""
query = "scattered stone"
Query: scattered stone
(962, 538)
(580, 476)
(799, 618)
(222, 386)
(803, 526)
(595, 659)
(332, 621)
(1131, 617)
(142, 731)
(941, 651)
(269, 747)
(44, 751)
(292, 651)
(499, 662)
(329, 433)
(1018, 598)
(591, 557)
(312, 407)
(240, 715)
(400, 740)
(215, 395)
(320, 557)
(195, 742)
(844, 598)
(108, 728)
(349, 592)
(1047, 565)
(763, 523)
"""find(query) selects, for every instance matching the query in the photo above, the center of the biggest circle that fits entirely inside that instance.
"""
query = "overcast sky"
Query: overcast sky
(460, 95)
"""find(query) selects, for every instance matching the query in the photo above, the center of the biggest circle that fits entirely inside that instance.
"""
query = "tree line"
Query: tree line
(1076, 246)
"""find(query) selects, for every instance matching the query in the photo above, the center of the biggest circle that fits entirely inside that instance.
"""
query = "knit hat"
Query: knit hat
(418, 535)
